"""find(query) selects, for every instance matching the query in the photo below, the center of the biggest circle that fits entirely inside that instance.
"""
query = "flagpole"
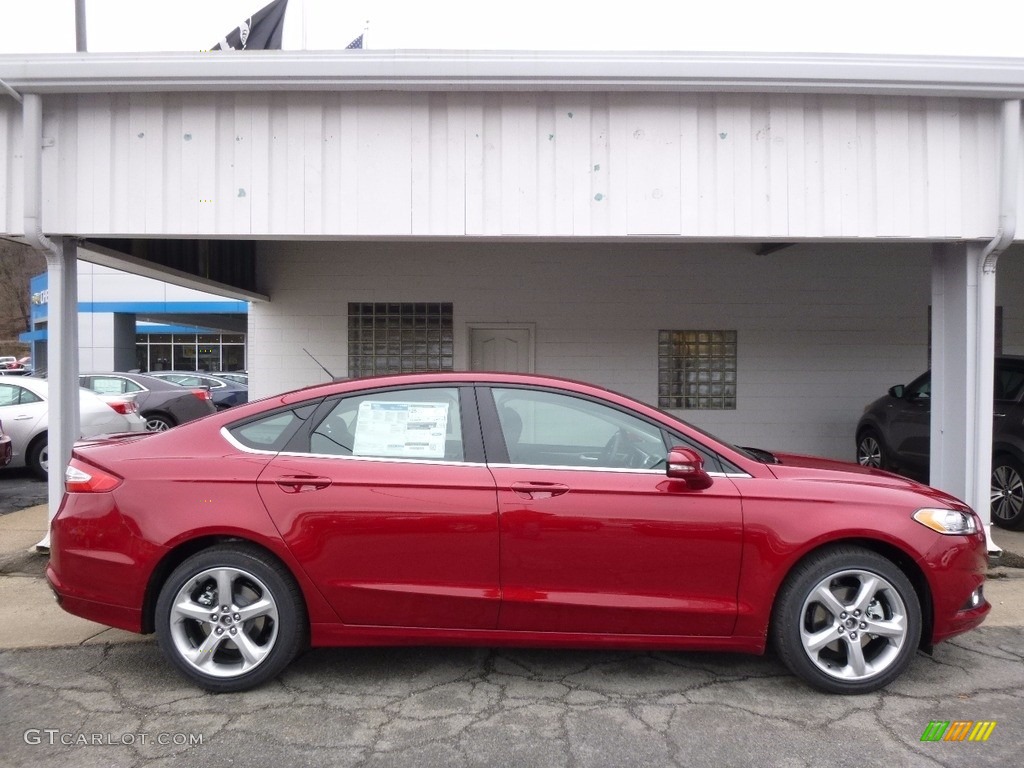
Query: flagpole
(304, 25)
(366, 31)
(81, 44)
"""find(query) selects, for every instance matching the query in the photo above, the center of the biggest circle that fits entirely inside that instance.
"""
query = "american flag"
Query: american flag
(357, 43)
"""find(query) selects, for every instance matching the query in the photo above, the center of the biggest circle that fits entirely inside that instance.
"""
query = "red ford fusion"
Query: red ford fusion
(502, 509)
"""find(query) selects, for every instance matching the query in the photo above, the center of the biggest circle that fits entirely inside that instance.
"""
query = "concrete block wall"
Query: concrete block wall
(823, 329)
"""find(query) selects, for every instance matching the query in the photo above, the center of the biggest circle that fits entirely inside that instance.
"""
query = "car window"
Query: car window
(401, 424)
(272, 432)
(11, 394)
(920, 388)
(1009, 383)
(549, 429)
(110, 385)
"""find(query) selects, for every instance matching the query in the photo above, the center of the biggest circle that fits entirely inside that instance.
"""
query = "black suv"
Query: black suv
(894, 434)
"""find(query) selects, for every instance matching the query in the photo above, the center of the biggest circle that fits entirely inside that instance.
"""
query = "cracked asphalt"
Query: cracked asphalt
(483, 707)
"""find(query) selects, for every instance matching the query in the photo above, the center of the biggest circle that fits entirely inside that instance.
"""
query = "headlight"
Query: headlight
(951, 522)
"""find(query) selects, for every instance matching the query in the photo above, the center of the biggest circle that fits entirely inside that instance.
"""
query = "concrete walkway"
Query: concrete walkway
(31, 618)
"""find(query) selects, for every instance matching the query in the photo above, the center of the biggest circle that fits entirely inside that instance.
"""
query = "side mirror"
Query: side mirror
(897, 391)
(686, 464)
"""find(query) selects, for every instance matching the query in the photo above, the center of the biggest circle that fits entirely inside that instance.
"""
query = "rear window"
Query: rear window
(272, 432)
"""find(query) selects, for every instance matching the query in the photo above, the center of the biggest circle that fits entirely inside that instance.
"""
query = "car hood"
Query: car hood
(811, 468)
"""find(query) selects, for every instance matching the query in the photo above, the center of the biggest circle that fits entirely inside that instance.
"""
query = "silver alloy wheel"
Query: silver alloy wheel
(853, 625)
(44, 459)
(869, 452)
(1007, 492)
(224, 622)
(157, 424)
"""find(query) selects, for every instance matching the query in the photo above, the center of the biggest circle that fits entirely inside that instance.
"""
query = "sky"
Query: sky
(929, 27)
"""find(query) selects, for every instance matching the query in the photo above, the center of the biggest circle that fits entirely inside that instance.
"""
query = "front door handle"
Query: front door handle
(526, 490)
(302, 483)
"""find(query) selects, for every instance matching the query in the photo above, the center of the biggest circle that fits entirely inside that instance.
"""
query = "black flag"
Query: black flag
(260, 32)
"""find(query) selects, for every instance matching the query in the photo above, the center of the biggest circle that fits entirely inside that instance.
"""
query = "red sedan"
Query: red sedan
(501, 509)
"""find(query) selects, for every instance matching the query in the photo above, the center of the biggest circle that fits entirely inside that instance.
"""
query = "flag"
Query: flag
(260, 32)
(357, 43)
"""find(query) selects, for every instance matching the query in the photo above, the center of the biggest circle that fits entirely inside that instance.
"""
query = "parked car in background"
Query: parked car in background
(239, 377)
(163, 404)
(895, 433)
(11, 365)
(373, 511)
(225, 394)
(24, 411)
(6, 452)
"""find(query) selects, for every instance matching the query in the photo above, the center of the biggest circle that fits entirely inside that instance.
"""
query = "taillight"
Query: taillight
(124, 407)
(82, 478)
(202, 394)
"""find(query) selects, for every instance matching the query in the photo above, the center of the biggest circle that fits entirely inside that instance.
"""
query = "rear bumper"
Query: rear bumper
(119, 616)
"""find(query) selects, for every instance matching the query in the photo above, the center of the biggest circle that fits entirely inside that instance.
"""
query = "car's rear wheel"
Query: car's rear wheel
(230, 618)
(1007, 493)
(847, 620)
(870, 450)
(156, 422)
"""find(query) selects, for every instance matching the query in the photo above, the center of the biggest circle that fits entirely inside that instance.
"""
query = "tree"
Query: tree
(18, 264)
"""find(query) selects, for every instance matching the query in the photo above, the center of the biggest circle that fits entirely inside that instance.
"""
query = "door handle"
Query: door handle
(302, 483)
(539, 490)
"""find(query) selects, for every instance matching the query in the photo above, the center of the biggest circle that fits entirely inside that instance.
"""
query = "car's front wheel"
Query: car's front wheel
(230, 617)
(847, 620)
(1007, 493)
(870, 450)
(38, 457)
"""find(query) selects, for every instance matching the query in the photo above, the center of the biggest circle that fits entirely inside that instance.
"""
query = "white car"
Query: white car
(24, 413)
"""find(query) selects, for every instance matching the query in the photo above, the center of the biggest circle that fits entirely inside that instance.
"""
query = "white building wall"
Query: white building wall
(351, 164)
(823, 329)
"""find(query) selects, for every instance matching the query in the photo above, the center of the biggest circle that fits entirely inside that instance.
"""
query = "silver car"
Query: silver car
(24, 411)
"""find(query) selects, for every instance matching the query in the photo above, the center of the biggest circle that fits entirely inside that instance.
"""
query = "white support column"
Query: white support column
(62, 368)
(963, 352)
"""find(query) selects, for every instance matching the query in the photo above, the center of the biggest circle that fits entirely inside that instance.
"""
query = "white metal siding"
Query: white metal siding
(353, 164)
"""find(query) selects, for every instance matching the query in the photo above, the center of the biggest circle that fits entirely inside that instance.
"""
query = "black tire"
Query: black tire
(37, 457)
(818, 638)
(158, 422)
(205, 647)
(1007, 493)
(871, 450)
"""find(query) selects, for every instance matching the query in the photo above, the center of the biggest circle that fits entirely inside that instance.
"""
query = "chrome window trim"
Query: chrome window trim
(226, 434)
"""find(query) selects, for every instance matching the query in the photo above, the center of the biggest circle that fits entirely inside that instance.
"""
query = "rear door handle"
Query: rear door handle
(526, 490)
(302, 483)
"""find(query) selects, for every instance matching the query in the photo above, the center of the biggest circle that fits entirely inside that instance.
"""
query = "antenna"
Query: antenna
(333, 378)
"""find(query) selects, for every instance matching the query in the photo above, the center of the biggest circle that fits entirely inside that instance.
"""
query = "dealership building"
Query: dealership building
(131, 322)
(760, 243)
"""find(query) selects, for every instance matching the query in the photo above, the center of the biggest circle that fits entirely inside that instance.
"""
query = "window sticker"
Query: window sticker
(406, 430)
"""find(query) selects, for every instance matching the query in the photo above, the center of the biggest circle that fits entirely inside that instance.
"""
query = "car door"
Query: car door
(23, 414)
(595, 538)
(387, 502)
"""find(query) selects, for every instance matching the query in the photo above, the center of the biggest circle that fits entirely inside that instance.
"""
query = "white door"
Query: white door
(499, 348)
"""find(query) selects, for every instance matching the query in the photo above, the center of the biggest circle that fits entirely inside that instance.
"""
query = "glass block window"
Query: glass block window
(697, 370)
(399, 338)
